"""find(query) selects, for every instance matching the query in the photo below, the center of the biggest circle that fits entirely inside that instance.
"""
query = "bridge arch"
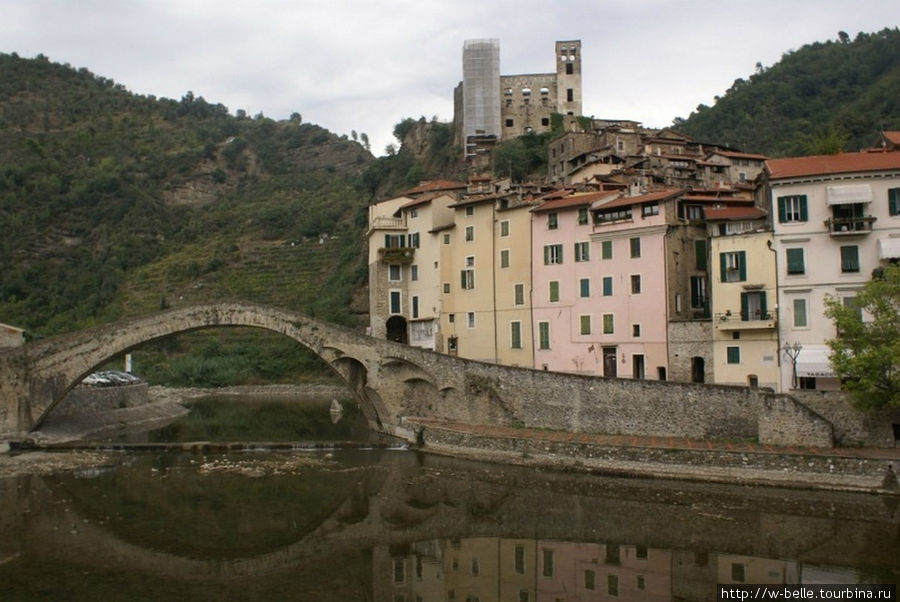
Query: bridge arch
(65, 361)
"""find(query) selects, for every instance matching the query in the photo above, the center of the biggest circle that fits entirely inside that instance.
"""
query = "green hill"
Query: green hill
(115, 204)
(820, 98)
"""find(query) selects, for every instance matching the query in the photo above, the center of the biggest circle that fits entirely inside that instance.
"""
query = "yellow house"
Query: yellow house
(744, 297)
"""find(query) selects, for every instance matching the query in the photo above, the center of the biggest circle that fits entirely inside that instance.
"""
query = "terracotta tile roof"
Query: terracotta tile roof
(793, 167)
(422, 200)
(575, 200)
(434, 185)
(892, 137)
(660, 195)
(699, 198)
(714, 213)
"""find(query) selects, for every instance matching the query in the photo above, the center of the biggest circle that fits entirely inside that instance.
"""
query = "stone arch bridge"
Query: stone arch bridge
(395, 383)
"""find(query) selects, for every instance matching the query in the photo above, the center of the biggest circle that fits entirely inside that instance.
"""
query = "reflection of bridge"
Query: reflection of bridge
(392, 381)
(399, 501)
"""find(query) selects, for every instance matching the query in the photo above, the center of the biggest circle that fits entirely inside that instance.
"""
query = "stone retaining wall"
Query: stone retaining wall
(852, 427)
(90, 400)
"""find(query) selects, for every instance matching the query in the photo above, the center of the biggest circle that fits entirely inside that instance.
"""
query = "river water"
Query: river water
(398, 525)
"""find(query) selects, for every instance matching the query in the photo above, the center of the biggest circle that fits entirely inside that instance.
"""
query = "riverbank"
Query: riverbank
(867, 470)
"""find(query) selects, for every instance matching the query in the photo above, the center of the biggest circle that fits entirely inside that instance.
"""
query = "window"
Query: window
(582, 251)
(635, 284)
(394, 273)
(795, 263)
(850, 303)
(413, 272)
(470, 261)
(414, 213)
(635, 330)
(504, 258)
(733, 266)
(792, 209)
(584, 324)
(414, 240)
(509, 123)
(446, 239)
(737, 572)
(694, 212)
(470, 319)
(641, 582)
(800, 319)
(446, 288)
(399, 570)
(590, 580)
(612, 585)
(753, 306)
(650, 209)
(606, 251)
(515, 335)
(394, 241)
(520, 559)
(635, 244)
(608, 324)
(394, 301)
(470, 210)
(850, 258)
(544, 120)
(733, 354)
(607, 286)
(519, 294)
(584, 288)
(552, 220)
(582, 216)
(700, 255)
(698, 292)
(894, 201)
(570, 95)
(548, 563)
(504, 228)
(544, 335)
(415, 306)
(553, 254)
(570, 69)
(554, 291)
(637, 366)
(470, 233)
(451, 318)
(467, 279)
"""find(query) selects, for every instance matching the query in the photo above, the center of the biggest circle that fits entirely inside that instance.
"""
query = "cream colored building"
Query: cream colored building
(10, 336)
(744, 297)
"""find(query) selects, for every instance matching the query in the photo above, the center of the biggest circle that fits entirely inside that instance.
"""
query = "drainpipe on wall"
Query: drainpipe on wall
(494, 276)
(769, 243)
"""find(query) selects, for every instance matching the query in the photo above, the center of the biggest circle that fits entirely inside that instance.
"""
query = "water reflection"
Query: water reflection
(391, 526)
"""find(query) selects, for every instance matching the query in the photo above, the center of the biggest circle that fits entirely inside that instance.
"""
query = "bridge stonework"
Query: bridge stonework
(392, 382)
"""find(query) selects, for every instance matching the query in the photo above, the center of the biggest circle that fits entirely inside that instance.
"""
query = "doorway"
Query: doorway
(609, 362)
(396, 329)
(698, 369)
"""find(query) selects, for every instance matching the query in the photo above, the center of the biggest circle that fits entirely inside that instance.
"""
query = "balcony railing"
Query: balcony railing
(383, 222)
(736, 321)
(397, 254)
(849, 226)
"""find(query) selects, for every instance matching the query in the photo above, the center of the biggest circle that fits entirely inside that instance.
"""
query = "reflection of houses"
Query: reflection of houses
(734, 569)
(836, 219)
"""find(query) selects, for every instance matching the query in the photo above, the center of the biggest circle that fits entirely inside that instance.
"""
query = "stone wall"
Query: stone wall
(783, 421)
(89, 400)
(852, 427)
(689, 339)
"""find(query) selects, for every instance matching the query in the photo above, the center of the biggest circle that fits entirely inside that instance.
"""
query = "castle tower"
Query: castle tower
(481, 88)
(568, 77)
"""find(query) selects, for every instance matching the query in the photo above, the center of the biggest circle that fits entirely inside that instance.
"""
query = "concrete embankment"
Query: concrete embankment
(851, 469)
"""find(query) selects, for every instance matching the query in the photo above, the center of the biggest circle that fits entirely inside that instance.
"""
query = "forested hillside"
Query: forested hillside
(114, 204)
(823, 97)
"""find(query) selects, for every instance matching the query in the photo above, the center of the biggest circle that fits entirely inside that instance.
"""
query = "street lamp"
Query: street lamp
(792, 351)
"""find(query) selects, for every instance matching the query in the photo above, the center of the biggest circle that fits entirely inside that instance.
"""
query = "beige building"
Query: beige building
(10, 336)
(744, 295)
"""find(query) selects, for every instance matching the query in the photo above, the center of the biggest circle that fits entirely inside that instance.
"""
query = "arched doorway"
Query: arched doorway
(396, 329)
(698, 369)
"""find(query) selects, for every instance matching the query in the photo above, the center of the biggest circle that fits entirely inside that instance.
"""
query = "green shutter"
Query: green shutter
(804, 216)
(795, 263)
(606, 247)
(745, 307)
(742, 264)
(387, 241)
(723, 267)
(894, 201)
(546, 255)
(782, 210)
(763, 309)
(700, 252)
(462, 279)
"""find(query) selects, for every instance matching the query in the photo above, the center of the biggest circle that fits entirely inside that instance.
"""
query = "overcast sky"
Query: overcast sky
(363, 65)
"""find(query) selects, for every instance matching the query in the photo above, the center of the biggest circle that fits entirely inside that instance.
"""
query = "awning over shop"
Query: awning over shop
(846, 195)
(888, 248)
(813, 361)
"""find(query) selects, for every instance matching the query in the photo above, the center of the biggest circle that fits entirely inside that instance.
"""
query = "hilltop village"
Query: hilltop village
(644, 254)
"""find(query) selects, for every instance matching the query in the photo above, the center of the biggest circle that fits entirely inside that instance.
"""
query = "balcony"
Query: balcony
(397, 254)
(850, 226)
(735, 321)
(382, 222)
